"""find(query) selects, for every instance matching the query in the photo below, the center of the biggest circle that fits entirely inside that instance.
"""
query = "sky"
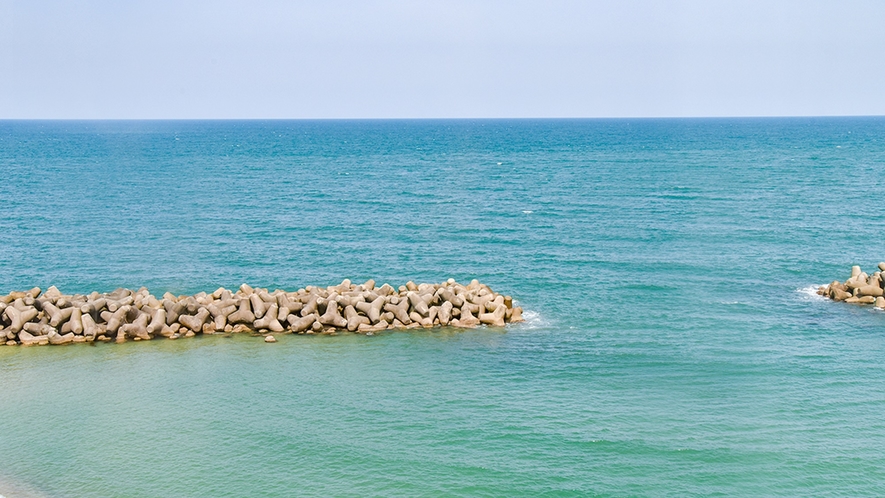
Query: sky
(158, 59)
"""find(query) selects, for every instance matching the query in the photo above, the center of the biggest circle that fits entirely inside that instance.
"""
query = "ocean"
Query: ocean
(673, 346)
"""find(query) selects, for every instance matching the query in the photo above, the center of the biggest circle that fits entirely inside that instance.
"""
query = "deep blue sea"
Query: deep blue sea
(673, 347)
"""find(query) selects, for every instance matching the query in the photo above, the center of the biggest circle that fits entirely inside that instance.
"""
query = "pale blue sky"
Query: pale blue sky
(415, 59)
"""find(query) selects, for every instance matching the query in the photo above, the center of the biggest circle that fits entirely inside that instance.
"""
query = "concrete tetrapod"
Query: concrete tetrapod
(270, 321)
(859, 288)
(29, 318)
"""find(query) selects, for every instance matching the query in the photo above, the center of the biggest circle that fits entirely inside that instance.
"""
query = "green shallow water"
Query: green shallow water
(445, 412)
(673, 345)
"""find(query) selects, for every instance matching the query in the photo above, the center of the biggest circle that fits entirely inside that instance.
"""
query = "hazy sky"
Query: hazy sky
(397, 58)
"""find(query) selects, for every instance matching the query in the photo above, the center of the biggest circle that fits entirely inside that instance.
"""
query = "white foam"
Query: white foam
(533, 320)
(810, 293)
(527, 212)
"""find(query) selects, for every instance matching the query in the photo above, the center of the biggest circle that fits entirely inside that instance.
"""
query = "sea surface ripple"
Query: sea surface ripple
(674, 345)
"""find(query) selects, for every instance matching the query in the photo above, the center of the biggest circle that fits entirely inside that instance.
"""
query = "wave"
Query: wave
(533, 320)
(810, 293)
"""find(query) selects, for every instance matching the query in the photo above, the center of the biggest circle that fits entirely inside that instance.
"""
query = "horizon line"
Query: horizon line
(522, 118)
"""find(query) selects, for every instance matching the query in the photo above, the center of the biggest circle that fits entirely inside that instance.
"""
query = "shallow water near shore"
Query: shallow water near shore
(674, 344)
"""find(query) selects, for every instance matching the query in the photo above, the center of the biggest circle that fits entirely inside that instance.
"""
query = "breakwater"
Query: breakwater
(860, 288)
(39, 318)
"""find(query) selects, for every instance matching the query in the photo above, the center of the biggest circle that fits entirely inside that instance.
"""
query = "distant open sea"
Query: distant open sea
(673, 345)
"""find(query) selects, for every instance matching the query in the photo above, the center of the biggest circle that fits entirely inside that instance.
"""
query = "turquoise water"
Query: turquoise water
(673, 346)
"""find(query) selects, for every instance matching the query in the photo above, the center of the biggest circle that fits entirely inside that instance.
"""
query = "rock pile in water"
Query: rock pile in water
(859, 289)
(37, 318)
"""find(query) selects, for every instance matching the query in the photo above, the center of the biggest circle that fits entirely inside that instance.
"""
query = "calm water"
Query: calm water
(672, 347)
